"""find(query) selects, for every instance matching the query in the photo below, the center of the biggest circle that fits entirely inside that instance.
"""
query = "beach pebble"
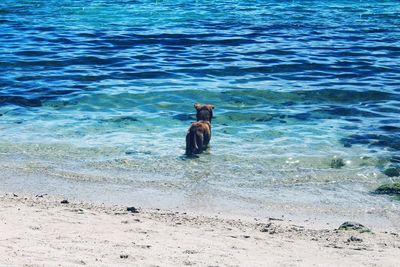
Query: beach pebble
(354, 239)
(265, 227)
(132, 209)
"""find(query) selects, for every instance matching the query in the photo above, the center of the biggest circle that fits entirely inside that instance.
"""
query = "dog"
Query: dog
(199, 133)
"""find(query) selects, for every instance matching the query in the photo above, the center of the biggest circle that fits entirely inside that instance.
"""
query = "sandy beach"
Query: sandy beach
(47, 231)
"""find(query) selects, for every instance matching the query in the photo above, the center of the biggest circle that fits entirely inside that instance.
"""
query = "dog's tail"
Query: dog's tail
(194, 138)
(191, 141)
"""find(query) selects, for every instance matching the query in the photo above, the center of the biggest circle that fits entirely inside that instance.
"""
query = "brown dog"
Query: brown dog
(199, 133)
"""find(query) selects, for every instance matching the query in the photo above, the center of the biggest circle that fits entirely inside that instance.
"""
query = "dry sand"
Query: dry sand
(41, 231)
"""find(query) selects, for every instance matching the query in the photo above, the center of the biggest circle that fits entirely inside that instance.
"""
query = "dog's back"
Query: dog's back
(198, 137)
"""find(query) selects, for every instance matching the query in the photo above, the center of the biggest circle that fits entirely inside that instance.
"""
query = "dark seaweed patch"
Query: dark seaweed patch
(250, 117)
(301, 116)
(395, 159)
(349, 127)
(346, 96)
(390, 128)
(122, 119)
(184, 117)
(390, 121)
(358, 139)
(288, 103)
(388, 141)
(345, 111)
(20, 101)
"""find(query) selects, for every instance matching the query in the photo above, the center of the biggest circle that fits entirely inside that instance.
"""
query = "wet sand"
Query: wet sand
(42, 231)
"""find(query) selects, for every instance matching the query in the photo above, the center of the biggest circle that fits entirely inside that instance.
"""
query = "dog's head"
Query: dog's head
(204, 112)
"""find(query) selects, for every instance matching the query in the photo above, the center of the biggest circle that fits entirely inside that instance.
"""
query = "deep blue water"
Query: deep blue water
(103, 91)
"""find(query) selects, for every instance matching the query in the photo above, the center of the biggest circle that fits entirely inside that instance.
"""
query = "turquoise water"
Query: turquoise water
(96, 98)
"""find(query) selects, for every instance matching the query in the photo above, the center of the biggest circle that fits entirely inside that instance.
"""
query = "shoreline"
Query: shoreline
(329, 204)
(40, 230)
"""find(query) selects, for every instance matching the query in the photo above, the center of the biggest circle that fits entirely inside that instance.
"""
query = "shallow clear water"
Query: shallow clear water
(100, 94)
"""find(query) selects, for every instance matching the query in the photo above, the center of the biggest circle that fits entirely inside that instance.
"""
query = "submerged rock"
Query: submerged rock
(337, 163)
(389, 189)
(354, 226)
(392, 170)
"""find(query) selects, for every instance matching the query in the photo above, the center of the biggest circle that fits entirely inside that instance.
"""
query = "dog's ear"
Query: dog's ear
(197, 106)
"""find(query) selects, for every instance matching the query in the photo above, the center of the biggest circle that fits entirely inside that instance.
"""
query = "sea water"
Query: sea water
(96, 98)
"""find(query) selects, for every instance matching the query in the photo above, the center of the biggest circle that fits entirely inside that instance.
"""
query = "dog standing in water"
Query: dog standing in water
(199, 133)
